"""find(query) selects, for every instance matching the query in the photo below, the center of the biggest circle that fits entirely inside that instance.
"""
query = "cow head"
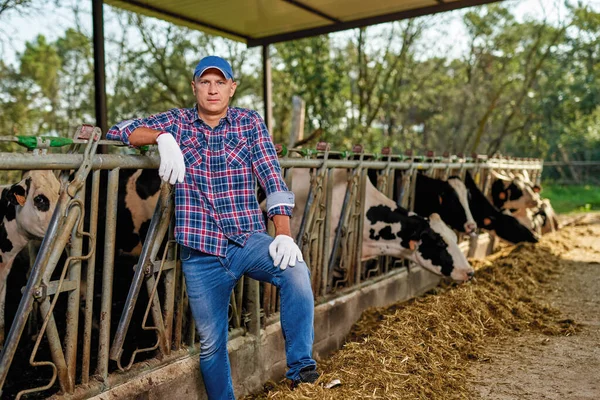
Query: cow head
(442, 197)
(509, 228)
(31, 202)
(439, 253)
(514, 194)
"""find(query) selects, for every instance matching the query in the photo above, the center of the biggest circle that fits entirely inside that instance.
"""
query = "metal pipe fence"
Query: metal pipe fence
(98, 342)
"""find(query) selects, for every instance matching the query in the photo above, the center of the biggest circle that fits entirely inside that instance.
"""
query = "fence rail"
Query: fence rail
(91, 271)
(572, 172)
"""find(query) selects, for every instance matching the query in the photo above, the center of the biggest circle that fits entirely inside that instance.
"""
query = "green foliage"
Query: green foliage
(52, 92)
(573, 198)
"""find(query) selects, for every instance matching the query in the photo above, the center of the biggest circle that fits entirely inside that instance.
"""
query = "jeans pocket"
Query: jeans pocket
(185, 253)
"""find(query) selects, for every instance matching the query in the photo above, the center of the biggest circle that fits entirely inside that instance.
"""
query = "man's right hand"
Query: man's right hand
(172, 167)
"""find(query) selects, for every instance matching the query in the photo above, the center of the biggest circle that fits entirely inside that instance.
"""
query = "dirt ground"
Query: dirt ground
(537, 366)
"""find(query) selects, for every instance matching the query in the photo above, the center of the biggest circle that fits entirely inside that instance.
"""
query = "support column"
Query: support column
(99, 68)
(267, 88)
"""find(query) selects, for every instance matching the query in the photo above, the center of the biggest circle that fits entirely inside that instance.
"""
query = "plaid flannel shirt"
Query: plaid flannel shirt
(217, 200)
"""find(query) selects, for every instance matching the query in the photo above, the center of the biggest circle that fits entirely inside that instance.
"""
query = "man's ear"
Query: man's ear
(193, 87)
(233, 88)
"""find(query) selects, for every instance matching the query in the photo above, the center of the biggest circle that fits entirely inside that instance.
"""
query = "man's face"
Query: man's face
(213, 91)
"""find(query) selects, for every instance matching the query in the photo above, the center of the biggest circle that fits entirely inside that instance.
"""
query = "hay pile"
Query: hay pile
(420, 349)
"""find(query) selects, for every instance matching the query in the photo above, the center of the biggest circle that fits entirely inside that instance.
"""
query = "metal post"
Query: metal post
(64, 376)
(253, 306)
(327, 235)
(91, 268)
(99, 68)
(74, 295)
(108, 271)
(267, 88)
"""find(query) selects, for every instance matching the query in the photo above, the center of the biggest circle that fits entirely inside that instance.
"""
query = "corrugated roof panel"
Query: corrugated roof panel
(359, 9)
(258, 22)
(249, 18)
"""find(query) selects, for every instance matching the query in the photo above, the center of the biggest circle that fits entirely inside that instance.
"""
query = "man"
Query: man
(213, 153)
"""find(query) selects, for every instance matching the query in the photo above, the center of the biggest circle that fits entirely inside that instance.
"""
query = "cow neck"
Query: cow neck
(16, 241)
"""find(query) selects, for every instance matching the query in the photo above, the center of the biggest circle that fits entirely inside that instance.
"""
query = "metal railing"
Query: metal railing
(335, 262)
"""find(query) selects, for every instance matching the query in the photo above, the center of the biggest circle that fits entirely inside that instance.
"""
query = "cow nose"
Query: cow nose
(470, 275)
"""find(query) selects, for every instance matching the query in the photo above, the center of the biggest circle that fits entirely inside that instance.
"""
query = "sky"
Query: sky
(52, 20)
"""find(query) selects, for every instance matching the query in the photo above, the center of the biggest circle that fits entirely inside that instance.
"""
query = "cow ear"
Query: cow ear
(440, 197)
(413, 244)
(16, 195)
(487, 221)
(502, 195)
(537, 189)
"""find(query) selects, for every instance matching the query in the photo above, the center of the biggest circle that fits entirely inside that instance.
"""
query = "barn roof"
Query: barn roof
(262, 22)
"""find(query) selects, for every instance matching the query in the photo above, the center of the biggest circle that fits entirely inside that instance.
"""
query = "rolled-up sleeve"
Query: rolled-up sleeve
(280, 201)
(160, 122)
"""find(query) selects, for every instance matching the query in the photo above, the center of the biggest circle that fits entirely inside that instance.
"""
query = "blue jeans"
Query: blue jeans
(210, 280)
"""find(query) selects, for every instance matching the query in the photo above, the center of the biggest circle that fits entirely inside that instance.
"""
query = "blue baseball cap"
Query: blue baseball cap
(213, 62)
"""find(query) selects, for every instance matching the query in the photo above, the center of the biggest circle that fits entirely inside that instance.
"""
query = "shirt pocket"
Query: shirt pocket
(191, 148)
(237, 153)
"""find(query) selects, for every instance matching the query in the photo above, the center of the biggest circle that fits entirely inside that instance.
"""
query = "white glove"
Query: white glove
(172, 167)
(284, 251)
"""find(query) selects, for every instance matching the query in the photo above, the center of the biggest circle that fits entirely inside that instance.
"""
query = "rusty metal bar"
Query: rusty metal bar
(360, 224)
(179, 308)
(90, 275)
(338, 232)
(72, 316)
(411, 193)
(170, 283)
(253, 306)
(327, 234)
(307, 207)
(159, 225)
(159, 325)
(108, 271)
(26, 161)
(317, 235)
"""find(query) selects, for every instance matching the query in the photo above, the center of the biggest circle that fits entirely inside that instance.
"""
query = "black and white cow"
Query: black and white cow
(138, 193)
(446, 198)
(513, 193)
(389, 230)
(549, 221)
(25, 212)
(490, 218)
(544, 216)
(521, 197)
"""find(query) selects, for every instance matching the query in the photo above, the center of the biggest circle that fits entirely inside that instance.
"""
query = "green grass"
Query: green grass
(572, 198)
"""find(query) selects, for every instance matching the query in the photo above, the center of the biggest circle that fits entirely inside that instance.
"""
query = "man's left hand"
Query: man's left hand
(284, 251)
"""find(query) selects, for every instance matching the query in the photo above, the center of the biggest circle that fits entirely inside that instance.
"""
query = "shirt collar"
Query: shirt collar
(193, 115)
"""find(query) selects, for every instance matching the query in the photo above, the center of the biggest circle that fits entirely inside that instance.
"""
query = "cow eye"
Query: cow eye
(41, 202)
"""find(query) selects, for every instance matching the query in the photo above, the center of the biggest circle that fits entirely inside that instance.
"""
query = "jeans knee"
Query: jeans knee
(211, 346)
(296, 275)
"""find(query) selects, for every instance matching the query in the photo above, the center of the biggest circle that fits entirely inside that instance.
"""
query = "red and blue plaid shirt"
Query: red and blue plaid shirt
(217, 200)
